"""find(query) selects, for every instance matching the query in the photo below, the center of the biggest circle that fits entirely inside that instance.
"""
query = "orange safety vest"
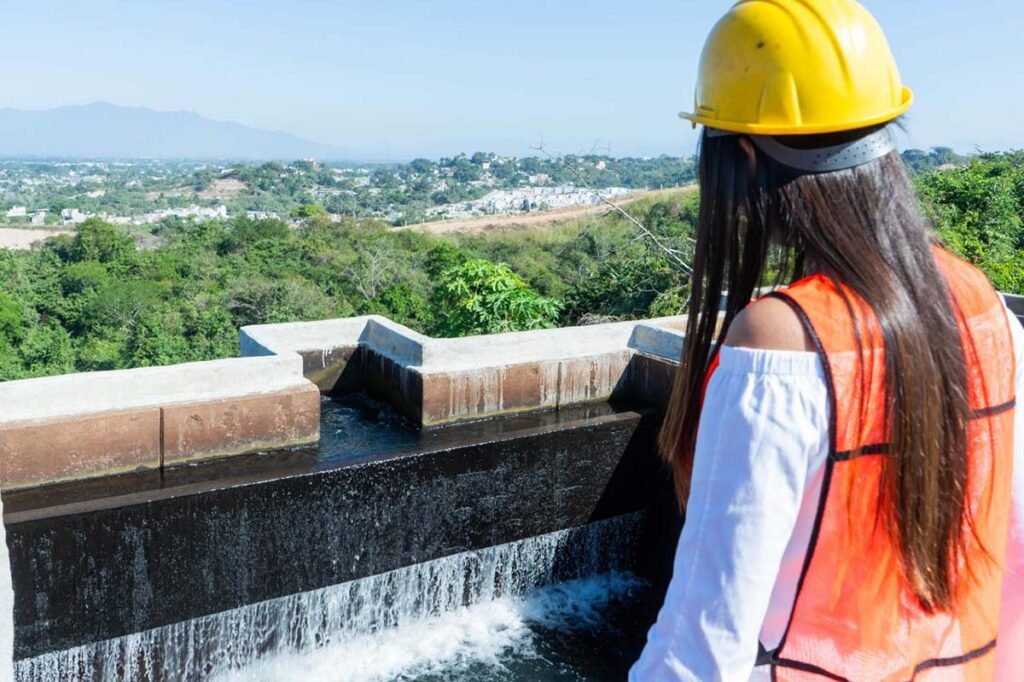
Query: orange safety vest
(854, 617)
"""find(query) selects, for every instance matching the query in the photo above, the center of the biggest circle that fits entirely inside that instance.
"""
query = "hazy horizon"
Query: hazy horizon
(408, 79)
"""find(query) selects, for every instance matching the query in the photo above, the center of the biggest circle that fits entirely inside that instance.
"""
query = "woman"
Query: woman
(848, 447)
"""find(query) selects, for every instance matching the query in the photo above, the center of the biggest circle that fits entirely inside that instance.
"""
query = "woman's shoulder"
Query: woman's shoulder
(769, 324)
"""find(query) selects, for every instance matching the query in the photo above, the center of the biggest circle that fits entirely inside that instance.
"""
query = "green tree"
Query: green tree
(481, 297)
(47, 349)
(422, 165)
(307, 211)
(100, 241)
(978, 211)
(155, 338)
(627, 286)
(243, 232)
(403, 304)
(12, 333)
(12, 316)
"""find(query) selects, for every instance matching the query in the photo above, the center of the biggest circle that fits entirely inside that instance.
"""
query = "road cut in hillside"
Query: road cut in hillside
(23, 238)
(534, 219)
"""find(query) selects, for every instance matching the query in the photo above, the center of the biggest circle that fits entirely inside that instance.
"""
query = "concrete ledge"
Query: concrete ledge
(278, 339)
(80, 426)
(42, 451)
(451, 396)
(1016, 305)
(441, 381)
(493, 350)
(659, 341)
(89, 392)
(246, 423)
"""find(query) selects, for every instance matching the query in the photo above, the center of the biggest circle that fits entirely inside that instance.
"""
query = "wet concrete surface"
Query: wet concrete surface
(354, 429)
(105, 558)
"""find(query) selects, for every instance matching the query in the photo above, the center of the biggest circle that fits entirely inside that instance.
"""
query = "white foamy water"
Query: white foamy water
(427, 618)
(482, 634)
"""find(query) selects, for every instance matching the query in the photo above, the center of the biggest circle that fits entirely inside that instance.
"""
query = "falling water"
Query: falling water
(378, 627)
(6, 608)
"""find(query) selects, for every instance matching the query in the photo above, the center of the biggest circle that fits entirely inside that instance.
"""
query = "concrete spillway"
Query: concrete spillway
(375, 627)
(97, 563)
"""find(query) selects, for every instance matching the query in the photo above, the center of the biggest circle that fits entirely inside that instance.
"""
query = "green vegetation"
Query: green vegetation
(395, 193)
(919, 161)
(477, 296)
(979, 211)
(95, 301)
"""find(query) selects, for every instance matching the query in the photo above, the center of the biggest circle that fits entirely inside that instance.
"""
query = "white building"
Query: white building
(72, 216)
(261, 215)
(218, 213)
(525, 199)
(38, 217)
(17, 212)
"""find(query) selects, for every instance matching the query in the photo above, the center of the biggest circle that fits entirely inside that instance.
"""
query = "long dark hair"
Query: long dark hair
(862, 228)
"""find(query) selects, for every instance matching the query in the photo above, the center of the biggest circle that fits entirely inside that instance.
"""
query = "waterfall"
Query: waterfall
(409, 600)
(6, 609)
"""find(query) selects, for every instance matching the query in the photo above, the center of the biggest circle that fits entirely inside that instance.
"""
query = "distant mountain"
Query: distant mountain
(104, 130)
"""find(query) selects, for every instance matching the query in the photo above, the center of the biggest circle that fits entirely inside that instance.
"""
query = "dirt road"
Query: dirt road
(21, 239)
(530, 220)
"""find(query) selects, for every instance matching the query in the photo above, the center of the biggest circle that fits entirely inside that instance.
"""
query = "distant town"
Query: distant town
(63, 193)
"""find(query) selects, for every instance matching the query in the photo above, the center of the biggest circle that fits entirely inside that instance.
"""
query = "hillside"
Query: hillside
(538, 219)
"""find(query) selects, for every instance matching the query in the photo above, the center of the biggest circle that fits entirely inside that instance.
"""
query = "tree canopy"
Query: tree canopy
(95, 300)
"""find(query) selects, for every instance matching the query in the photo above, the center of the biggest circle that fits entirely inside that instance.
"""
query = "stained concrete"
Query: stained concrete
(48, 451)
(78, 426)
(96, 560)
(247, 423)
(145, 387)
(443, 381)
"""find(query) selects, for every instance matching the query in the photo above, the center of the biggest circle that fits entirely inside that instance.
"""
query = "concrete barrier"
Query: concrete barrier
(78, 426)
(441, 381)
(1016, 305)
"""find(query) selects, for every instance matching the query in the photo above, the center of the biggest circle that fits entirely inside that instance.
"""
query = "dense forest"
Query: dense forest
(93, 300)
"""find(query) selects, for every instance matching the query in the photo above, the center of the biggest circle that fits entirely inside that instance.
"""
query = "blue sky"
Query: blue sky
(402, 78)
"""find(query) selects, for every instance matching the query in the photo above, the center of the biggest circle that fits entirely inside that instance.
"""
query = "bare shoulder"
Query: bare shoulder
(769, 324)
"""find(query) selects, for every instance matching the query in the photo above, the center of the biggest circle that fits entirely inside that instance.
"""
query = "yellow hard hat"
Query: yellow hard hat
(797, 67)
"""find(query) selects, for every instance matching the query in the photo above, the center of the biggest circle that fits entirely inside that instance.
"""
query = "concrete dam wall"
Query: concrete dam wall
(332, 452)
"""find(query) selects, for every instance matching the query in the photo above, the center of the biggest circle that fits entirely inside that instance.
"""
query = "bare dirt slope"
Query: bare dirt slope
(19, 238)
(221, 189)
(530, 220)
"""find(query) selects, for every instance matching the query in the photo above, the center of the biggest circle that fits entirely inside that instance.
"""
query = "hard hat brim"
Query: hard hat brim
(802, 129)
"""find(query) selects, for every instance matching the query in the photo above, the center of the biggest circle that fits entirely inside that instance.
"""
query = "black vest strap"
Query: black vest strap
(765, 657)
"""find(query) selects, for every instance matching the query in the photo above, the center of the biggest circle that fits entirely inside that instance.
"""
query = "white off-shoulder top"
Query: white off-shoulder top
(759, 463)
